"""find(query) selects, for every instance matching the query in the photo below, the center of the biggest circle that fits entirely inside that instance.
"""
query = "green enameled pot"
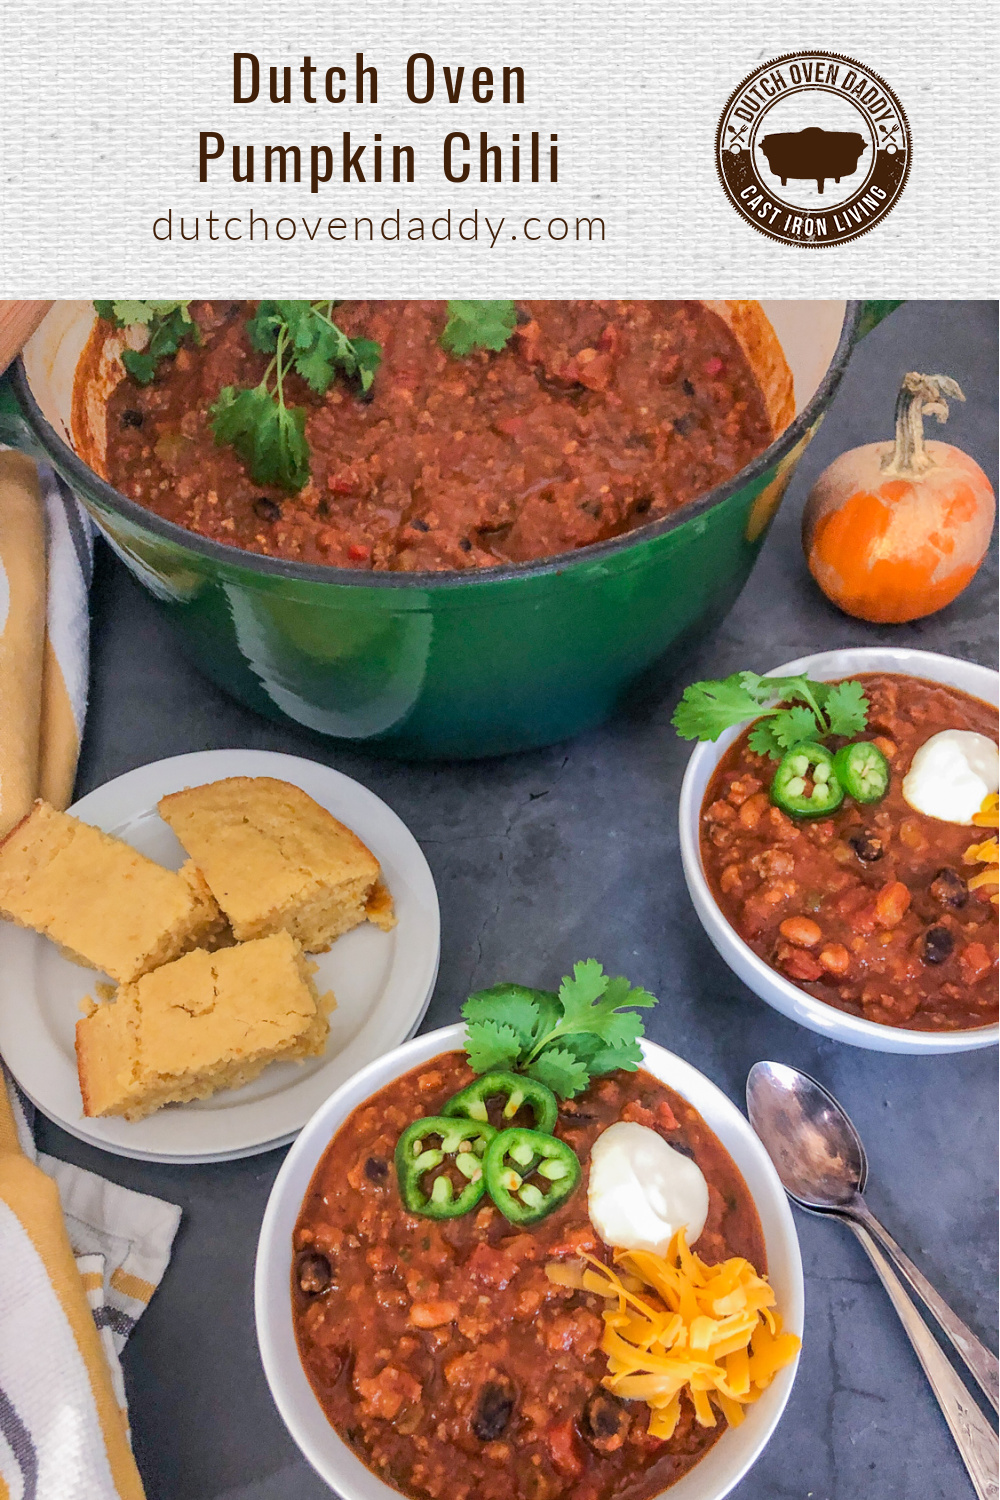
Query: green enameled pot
(441, 665)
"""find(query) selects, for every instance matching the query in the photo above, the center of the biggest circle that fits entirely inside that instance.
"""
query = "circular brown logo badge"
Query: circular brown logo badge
(813, 149)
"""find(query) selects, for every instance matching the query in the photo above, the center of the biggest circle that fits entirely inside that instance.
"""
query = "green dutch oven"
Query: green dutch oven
(444, 665)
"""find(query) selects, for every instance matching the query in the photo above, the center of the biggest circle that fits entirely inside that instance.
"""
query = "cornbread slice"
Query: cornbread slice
(207, 1021)
(106, 906)
(277, 861)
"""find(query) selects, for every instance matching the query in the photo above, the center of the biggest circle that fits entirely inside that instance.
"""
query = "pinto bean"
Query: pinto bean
(801, 931)
(892, 904)
(433, 1314)
(835, 959)
(887, 746)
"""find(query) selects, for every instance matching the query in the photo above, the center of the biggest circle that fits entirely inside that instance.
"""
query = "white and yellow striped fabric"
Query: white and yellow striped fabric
(46, 559)
(80, 1257)
(79, 1260)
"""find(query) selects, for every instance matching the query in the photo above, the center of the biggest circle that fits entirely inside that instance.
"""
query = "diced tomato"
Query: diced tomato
(358, 553)
(562, 1446)
(714, 366)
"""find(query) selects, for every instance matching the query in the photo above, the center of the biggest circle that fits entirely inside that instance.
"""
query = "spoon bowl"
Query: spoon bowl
(815, 1148)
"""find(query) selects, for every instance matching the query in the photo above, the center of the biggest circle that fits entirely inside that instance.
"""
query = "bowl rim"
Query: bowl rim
(270, 1314)
(830, 1021)
(80, 473)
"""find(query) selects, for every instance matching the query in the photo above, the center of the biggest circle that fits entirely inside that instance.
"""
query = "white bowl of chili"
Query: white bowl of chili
(723, 1464)
(781, 992)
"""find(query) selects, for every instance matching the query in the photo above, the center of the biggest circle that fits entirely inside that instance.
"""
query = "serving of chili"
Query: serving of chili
(596, 418)
(442, 1352)
(867, 908)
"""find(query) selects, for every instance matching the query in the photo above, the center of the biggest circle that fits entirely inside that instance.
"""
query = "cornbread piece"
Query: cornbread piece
(275, 860)
(106, 906)
(207, 1021)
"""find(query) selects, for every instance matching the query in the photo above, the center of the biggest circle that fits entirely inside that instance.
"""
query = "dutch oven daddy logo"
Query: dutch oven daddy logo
(813, 149)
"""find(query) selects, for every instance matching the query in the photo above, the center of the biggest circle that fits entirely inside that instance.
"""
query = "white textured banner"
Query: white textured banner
(108, 109)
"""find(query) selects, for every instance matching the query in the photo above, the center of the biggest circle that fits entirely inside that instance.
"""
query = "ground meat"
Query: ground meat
(596, 418)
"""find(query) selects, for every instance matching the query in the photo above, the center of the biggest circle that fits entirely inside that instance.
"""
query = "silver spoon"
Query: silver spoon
(821, 1161)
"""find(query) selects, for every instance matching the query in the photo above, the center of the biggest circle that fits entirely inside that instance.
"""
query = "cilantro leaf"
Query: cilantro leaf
(168, 324)
(507, 1005)
(478, 325)
(268, 435)
(707, 709)
(847, 708)
(560, 1071)
(590, 1027)
(762, 740)
(490, 1045)
(793, 725)
(608, 1059)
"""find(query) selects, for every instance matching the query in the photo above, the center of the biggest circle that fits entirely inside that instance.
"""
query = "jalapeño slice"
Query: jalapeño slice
(460, 1143)
(516, 1091)
(805, 783)
(529, 1174)
(862, 771)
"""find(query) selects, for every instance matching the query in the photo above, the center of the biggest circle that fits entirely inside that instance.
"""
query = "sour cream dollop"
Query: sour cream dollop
(642, 1190)
(950, 775)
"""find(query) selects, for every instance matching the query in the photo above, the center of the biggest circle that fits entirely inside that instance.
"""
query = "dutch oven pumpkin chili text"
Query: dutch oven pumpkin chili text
(443, 1353)
(596, 418)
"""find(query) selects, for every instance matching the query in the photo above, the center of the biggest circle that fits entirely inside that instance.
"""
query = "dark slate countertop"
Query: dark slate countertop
(545, 858)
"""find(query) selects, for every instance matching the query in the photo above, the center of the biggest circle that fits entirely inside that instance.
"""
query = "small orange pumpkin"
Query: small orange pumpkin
(895, 531)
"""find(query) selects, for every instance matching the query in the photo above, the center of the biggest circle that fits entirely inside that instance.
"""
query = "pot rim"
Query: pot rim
(79, 473)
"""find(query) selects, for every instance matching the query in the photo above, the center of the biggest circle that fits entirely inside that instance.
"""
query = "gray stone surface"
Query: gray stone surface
(549, 857)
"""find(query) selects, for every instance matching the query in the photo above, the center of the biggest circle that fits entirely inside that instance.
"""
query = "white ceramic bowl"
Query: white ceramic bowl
(724, 1464)
(981, 682)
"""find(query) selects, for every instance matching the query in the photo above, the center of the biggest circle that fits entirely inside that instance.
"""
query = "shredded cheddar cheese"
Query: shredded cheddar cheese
(988, 852)
(674, 1323)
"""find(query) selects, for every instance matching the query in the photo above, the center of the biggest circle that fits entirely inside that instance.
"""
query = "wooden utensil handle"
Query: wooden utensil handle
(18, 321)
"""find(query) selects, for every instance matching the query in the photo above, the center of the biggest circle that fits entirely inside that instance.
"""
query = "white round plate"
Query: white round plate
(383, 981)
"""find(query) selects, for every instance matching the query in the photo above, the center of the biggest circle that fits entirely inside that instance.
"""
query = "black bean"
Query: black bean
(131, 417)
(376, 1170)
(523, 317)
(867, 846)
(642, 504)
(266, 510)
(682, 1147)
(313, 1272)
(493, 1410)
(465, 544)
(683, 425)
(605, 1422)
(688, 387)
(419, 525)
(938, 944)
(949, 889)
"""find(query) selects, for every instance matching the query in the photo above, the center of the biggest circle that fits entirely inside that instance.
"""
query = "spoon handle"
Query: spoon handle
(981, 1364)
(975, 1439)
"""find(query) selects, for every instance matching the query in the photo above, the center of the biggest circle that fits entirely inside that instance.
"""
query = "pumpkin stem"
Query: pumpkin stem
(919, 396)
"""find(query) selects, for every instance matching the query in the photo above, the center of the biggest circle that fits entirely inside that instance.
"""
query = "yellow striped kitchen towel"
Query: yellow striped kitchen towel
(79, 1260)
(46, 560)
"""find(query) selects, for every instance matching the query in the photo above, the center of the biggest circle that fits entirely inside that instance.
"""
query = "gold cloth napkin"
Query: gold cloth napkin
(45, 563)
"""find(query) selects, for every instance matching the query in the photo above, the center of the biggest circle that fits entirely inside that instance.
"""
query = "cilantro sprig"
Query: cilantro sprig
(267, 433)
(478, 325)
(790, 710)
(168, 324)
(563, 1039)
